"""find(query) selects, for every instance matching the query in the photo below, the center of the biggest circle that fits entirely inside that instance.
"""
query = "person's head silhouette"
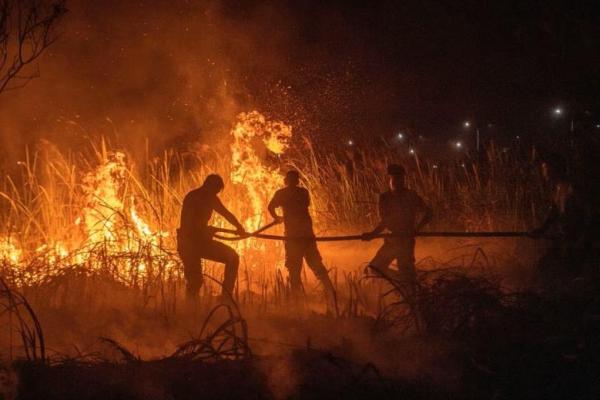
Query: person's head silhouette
(292, 178)
(396, 173)
(213, 183)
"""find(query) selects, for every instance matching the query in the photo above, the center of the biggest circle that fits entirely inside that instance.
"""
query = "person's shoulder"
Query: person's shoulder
(280, 192)
(189, 195)
(193, 194)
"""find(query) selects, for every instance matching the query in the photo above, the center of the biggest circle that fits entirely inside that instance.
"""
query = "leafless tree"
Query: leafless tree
(27, 28)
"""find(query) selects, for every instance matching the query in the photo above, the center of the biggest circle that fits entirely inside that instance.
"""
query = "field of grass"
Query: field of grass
(87, 250)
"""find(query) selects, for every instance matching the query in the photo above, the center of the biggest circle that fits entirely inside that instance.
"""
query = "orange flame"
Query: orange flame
(254, 138)
(111, 231)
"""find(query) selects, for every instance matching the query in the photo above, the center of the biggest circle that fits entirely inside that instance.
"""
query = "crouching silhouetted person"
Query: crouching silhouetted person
(195, 238)
(402, 212)
(295, 200)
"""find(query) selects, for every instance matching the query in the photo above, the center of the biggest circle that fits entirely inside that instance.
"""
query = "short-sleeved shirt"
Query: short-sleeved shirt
(198, 206)
(294, 201)
(399, 210)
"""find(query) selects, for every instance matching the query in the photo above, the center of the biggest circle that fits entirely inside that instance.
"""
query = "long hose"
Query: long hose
(259, 235)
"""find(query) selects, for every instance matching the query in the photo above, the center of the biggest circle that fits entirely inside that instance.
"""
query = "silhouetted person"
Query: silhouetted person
(567, 223)
(195, 237)
(294, 200)
(402, 212)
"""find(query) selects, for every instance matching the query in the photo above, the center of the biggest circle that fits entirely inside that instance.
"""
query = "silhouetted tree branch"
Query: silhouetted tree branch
(27, 28)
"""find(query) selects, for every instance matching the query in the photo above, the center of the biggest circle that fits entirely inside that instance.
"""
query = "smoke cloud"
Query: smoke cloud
(172, 73)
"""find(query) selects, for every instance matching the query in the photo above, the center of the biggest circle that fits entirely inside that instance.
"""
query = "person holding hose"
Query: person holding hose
(294, 201)
(403, 213)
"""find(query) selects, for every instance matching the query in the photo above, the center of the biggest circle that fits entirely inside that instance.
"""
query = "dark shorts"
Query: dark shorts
(400, 249)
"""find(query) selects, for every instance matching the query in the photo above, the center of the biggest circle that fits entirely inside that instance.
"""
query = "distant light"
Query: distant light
(411, 151)
(458, 145)
(467, 124)
(558, 111)
(598, 126)
(350, 142)
(435, 166)
(462, 165)
(400, 136)
(517, 137)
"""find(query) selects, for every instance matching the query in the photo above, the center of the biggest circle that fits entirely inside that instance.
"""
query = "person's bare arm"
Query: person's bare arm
(222, 210)
(425, 219)
(380, 226)
(272, 207)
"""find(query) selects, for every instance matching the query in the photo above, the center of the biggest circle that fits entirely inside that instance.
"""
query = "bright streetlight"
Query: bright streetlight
(467, 125)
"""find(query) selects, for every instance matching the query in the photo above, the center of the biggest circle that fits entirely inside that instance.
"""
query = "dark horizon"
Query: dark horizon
(176, 71)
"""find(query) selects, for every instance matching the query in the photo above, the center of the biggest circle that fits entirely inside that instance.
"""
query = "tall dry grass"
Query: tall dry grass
(40, 205)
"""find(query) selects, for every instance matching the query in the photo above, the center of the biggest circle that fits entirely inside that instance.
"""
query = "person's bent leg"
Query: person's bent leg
(382, 260)
(231, 273)
(222, 253)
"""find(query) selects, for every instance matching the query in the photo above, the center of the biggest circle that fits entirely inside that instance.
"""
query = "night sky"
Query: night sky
(177, 71)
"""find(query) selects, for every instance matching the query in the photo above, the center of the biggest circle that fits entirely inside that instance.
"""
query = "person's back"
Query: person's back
(399, 209)
(294, 201)
(196, 211)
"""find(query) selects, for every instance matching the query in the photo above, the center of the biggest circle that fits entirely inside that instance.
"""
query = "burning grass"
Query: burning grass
(88, 238)
(101, 211)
